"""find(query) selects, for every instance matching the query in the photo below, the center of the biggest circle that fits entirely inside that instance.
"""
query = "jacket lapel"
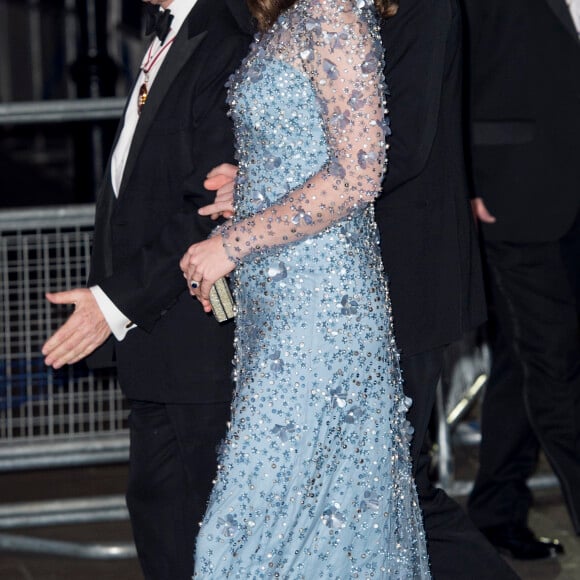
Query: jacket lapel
(561, 10)
(186, 42)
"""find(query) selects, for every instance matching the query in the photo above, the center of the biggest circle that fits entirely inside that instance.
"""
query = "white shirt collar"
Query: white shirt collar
(180, 10)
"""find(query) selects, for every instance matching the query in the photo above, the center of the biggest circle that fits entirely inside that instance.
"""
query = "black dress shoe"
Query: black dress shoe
(521, 543)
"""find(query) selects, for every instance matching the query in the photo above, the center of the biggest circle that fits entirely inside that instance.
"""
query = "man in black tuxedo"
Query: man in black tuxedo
(173, 360)
(525, 125)
(429, 250)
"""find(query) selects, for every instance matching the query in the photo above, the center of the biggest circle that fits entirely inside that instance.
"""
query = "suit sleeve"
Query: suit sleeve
(415, 42)
(151, 282)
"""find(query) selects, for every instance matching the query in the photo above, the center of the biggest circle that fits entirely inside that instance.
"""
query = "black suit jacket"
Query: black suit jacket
(427, 232)
(178, 353)
(525, 110)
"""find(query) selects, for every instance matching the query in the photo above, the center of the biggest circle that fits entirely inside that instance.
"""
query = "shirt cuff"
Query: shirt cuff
(119, 324)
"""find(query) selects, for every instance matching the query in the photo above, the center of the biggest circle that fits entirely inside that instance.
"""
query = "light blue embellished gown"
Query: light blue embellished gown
(314, 479)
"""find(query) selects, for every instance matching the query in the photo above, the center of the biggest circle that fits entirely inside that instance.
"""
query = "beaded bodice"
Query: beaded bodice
(318, 72)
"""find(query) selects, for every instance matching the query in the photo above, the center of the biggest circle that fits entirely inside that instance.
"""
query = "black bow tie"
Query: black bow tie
(158, 21)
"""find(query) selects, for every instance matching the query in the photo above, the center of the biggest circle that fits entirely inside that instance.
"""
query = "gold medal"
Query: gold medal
(142, 97)
(150, 61)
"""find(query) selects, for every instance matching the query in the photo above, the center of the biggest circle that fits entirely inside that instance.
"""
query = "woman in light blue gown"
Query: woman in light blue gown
(314, 478)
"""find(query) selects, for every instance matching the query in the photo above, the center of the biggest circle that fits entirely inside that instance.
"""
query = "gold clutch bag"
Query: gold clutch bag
(222, 302)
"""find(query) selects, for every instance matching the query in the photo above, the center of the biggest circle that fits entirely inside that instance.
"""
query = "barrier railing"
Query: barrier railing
(50, 418)
(61, 111)
(465, 373)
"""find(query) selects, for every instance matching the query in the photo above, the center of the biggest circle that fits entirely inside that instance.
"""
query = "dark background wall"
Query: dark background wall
(62, 49)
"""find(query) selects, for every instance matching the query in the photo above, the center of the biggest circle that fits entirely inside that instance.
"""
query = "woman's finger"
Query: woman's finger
(226, 169)
(216, 182)
(217, 209)
(204, 289)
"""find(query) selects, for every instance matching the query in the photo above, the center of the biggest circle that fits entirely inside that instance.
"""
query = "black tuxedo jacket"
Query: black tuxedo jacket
(178, 353)
(427, 232)
(525, 110)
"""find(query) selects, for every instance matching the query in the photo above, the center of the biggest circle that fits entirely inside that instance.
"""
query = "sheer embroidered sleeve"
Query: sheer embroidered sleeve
(337, 46)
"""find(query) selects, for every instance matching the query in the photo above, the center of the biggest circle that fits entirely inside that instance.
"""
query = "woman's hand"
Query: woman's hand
(202, 265)
(220, 179)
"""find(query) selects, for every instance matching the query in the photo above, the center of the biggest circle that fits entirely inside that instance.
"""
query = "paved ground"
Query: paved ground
(548, 518)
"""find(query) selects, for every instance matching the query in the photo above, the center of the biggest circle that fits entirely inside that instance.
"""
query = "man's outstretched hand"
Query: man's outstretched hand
(84, 331)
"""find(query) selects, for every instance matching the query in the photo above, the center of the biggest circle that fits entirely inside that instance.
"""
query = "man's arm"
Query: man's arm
(150, 282)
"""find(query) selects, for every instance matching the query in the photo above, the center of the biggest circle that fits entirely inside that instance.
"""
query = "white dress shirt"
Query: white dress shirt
(152, 60)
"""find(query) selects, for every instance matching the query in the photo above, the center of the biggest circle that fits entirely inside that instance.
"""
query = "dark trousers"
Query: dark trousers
(570, 248)
(172, 464)
(533, 393)
(457, 550)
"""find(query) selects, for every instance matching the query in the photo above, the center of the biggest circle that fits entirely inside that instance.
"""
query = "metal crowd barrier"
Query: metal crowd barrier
(50, 418)
(61, 111)
(465, 372)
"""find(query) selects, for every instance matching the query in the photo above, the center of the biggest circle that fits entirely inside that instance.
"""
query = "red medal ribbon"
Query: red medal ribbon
(150, 63)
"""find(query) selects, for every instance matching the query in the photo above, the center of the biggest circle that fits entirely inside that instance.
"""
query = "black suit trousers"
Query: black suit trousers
(501, 495)
(570, 246)
(534, 388)
(173, 461)
(457, 550)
